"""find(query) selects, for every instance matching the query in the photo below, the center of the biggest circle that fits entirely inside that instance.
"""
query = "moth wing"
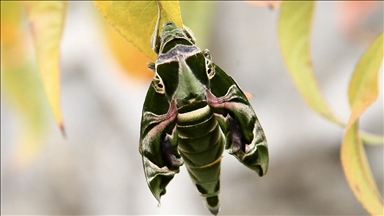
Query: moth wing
(244, 134)
(156, 148)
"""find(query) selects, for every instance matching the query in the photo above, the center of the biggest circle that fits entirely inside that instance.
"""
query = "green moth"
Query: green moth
(192, 111)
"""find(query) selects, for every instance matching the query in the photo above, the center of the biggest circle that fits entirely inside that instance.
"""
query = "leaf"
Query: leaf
(294, 37)
(363, 91)
(133, 61)
(198, 15)
(358, 173)
(371, 139)
(10, 23)
(23, 91)
(135, 20)
(363, 88)
(46, 21)
(21, 87)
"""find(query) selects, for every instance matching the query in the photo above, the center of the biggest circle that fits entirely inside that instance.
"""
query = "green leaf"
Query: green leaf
(136, 20)
(198, 15)
(371, 139)
(363, 91)
(46, 22)
(294, 36)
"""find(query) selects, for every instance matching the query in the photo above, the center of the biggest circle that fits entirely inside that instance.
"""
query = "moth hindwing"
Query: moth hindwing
(192, 111)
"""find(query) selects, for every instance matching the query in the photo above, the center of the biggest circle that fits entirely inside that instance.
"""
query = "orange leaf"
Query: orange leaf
(352, 13)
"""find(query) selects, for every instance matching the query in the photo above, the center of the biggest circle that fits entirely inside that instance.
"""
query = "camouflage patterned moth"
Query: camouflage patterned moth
(192, 111)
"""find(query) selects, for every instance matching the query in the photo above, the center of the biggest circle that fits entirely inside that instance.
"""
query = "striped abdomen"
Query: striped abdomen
(201, 144)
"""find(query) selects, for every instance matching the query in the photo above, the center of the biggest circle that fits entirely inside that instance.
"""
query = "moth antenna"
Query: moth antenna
(155, 39)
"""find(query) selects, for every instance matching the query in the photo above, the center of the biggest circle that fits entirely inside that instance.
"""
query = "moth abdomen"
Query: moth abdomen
(201, 144)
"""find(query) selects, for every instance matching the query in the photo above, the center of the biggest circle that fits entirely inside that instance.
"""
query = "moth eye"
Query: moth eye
(158, 84)
(207, 54)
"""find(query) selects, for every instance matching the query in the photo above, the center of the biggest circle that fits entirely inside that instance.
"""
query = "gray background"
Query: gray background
(98, 169)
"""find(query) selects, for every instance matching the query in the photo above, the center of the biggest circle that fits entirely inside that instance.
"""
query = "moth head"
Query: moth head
(171, 35)
(186, 79)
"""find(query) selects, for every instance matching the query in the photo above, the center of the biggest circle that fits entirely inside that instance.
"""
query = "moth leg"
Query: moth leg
(236, 136)
(151, 66)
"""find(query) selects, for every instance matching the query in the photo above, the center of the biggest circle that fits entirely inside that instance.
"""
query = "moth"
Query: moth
(192, 111)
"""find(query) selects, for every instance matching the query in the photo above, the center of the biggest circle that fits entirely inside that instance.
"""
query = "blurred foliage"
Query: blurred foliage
(352, 18)
(20, 85)
(135, 21)
(296, 53)
(197, 15)
(363, 91)
(46, 22)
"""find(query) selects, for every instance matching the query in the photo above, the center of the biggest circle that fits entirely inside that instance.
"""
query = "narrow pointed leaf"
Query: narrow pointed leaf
(294, 37)
(135, 20)
(371, 139)
(46, 21)
(358, 173)
(363, 88)
(363, 91)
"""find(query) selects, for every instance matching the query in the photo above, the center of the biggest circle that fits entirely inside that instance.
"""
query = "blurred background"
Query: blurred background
(97, 169)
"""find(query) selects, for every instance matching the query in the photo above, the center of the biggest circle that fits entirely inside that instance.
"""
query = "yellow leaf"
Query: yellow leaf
(358, 173)
(294, 37)
(363, 91)
(135, 20)
(46, 21)
(363, 88)
(130, 58)
(371, 139)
